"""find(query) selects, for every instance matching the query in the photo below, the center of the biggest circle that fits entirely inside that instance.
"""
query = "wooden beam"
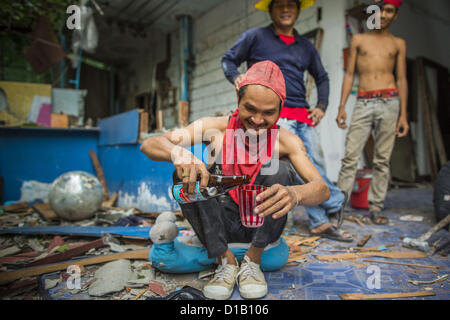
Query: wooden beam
(437, 135)
(183, 114)
(405, 264)
(364, 240)
(143, 122)
(68, 254)
(45, 211)
(360, 296)
(426, 111)
(394, 255)
(15, 207)
(100, 174)
(111, 201)
(6, 277)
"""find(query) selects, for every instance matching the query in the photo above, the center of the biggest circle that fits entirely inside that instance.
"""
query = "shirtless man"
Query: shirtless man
(216, 221)
(381, 106)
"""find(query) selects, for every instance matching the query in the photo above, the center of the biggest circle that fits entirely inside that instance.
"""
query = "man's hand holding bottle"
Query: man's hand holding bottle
(189, 169)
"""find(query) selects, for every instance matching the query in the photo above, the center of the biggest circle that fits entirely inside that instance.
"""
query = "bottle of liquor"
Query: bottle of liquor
(217, 185)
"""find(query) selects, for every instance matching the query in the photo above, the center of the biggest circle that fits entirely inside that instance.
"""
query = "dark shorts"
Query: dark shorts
(217, 221)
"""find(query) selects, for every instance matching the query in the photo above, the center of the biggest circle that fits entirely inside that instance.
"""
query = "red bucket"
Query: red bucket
(360, 193)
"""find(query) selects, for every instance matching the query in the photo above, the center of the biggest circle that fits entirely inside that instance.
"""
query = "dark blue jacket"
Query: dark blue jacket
(261, 44)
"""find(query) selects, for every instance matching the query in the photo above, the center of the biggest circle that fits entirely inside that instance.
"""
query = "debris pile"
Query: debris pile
(82, 260)
(70, 263)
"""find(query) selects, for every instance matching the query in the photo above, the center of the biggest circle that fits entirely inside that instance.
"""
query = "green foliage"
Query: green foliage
(22, 14)
(13, 64)
(17, 19)
(62, 248)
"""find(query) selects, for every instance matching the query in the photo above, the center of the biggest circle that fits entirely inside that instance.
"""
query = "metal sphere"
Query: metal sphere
(76, 195)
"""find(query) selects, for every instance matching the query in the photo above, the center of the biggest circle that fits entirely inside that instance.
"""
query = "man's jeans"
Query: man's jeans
(317, 214)
(379, 116)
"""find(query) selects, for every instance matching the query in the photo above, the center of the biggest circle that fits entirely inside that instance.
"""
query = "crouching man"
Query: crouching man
(249, 142)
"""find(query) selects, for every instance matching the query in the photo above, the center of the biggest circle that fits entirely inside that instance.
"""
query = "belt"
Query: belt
(378, 94)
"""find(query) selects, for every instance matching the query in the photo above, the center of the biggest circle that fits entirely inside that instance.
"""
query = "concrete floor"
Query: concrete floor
(318, 280)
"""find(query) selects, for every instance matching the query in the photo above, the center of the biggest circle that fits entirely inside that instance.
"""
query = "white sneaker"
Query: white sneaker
(222, 285)
(251, 281)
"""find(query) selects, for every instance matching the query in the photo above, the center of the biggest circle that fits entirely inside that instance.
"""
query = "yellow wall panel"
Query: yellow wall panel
(20, 97)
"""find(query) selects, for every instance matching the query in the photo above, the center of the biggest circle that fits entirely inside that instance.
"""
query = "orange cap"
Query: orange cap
(268, 74)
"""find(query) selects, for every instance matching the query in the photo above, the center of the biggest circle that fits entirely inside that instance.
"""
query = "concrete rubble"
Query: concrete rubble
(112, 277)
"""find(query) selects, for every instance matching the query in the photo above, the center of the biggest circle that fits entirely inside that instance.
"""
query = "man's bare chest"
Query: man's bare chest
(377, 49)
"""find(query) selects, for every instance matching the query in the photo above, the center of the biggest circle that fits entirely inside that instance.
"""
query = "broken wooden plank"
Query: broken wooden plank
(426, 113)
(360, 296)
(376, 249)
(135, 242)
(13, 288)
(154, 215)
(15, 207)
(45, 211)
(140, 294)
(69, 254)
(405, 264)
(16, 214)
(143, 121)
(355, 219)
(307, 241)
(436, 130)
(25, 256)
(9, 224)
(110, 202)
(393, 255)
(100, 174)
(438, 280)
(364, 240)
(6, 277)
(296, 259)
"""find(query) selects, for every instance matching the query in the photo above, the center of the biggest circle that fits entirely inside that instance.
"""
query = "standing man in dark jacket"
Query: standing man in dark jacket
(294, 54)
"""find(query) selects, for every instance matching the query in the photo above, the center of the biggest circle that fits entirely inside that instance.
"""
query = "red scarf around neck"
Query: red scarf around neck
(239, 157)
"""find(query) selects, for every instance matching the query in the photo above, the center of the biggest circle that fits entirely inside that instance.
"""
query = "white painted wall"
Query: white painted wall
(426, 29)
(332, 138)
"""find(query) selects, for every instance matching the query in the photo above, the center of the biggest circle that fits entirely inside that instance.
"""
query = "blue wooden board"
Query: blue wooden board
(40, 154)
(120, 129)
(89, 231)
